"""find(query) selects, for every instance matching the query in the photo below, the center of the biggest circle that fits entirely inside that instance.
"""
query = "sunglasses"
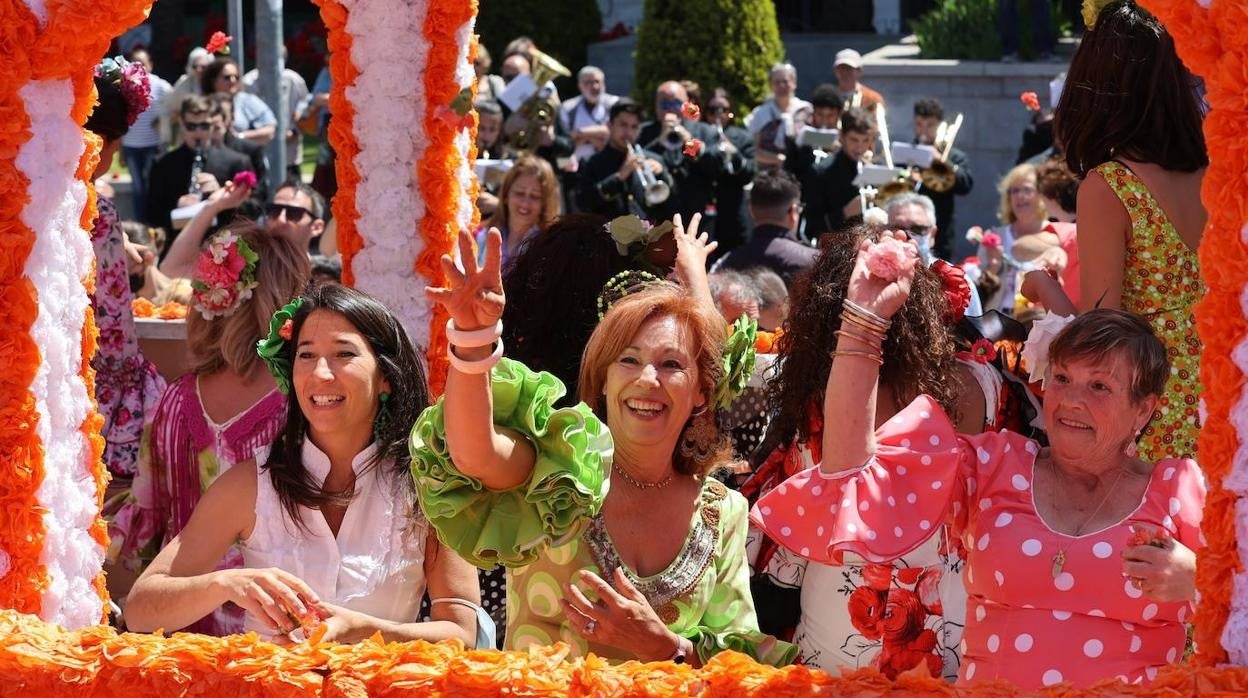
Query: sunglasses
(670, 105)
(294, 214)
(197, 126)
(716, 110)
(918, 231)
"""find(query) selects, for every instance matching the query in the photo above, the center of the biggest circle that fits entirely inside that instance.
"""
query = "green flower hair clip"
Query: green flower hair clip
(272, 350)
(738, 360)
(621, 285)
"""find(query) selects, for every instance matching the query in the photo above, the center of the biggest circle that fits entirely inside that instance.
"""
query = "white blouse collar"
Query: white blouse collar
(317, 463)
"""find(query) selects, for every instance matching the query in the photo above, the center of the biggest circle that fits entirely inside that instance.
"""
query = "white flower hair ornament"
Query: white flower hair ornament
(1036, 350)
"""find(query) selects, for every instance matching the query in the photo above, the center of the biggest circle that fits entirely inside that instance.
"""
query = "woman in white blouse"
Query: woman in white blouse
(334, 531)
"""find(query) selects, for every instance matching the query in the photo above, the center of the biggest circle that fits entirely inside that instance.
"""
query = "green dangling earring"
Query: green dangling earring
(383, 416)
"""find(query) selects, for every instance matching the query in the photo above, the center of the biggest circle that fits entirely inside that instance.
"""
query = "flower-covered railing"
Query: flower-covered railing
(405, 189)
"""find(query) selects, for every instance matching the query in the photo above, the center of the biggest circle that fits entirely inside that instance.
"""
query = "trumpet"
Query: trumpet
(940, 176)
(656, 190)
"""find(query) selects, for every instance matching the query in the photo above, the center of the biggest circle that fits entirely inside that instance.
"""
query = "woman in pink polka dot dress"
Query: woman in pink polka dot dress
(1080, 562)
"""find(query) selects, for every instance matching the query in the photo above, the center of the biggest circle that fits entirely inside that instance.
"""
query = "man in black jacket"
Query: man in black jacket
(693, 175)
(928, 114)
(171, 183)
(775, 208)
(829, 193)
(609, 184)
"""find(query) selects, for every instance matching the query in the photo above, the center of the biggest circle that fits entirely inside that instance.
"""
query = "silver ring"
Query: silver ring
(591, 627)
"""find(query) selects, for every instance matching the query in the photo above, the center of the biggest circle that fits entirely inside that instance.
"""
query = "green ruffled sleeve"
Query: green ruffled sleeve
(729, 621)
(513, 527)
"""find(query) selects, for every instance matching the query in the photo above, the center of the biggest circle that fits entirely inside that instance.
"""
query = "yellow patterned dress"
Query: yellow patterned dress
(1161, 284)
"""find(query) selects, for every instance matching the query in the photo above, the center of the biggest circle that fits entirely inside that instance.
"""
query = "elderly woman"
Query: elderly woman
(655, 568)
(825, 601)
(328, 520)
(1080, 562)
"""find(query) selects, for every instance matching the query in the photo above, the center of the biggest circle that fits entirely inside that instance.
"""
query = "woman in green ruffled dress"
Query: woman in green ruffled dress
(616, 539)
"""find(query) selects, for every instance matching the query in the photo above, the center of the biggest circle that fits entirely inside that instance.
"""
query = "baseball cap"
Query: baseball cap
(848, 57)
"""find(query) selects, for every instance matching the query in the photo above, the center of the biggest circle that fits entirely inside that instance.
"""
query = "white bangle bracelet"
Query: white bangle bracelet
(470, 339)
(479, 366)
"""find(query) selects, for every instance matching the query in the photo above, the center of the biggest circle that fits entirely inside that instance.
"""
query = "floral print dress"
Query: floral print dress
(127, 386)
(1162, 284)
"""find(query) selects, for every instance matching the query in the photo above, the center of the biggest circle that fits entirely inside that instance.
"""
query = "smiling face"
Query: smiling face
(1025, 200)
(1089, 411)
(524, 203)
(337, 380)
(653, 386)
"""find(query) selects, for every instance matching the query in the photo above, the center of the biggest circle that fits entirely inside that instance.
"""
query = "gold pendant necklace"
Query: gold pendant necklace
(1059, 559)
(639, 484)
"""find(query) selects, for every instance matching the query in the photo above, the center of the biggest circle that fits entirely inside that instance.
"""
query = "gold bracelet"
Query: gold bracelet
(867, 315)
(862, 325)
(869, 341)
(879, 360)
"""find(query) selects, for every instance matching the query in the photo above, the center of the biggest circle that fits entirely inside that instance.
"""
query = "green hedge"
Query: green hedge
(716, 43)
(562, 28)
(967, 29)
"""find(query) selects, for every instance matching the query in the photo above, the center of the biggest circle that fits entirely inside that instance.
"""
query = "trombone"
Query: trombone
(902, 185)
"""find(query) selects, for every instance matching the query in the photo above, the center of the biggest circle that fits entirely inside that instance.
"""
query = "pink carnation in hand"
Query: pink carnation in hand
(991, 240)
(246, 178)
(888, 258)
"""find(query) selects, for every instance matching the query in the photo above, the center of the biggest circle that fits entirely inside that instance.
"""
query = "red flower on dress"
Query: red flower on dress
(982, 352)
(878, 577)
(866, 606)
(919, 651)
(690, 111)
(219, 42)
(1030, 100)
(693, 147)
(904, 616)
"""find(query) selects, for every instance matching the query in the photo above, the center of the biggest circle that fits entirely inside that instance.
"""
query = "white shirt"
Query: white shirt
(376, 563)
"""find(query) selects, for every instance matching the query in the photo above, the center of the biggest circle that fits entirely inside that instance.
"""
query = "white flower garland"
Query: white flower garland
(61, 258)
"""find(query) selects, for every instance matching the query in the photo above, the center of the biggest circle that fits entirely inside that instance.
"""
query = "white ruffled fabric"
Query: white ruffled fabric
(58, 263)
(390, 108)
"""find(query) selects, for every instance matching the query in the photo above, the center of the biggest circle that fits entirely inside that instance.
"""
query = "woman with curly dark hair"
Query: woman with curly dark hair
(827, 603)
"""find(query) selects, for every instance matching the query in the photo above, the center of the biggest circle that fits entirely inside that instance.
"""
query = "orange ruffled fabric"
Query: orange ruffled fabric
(1212, 43)
(171, 310)
(38, 658)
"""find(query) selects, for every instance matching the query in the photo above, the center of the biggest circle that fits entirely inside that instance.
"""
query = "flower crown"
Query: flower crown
(132, 80)
(224, 276)
(272, 349)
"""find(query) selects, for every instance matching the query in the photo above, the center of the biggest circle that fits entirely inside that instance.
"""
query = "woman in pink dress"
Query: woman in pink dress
(1080, 562)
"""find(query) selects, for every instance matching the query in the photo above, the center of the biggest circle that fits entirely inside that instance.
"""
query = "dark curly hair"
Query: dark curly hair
(552, 289)
(401, 366)
(918, 352)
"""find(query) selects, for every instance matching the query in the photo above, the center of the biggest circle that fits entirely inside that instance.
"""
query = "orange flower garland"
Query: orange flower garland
(438, 170)
(1211, 44)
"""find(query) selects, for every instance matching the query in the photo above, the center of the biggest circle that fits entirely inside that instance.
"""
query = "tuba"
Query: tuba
(538, 111)
(940, 175)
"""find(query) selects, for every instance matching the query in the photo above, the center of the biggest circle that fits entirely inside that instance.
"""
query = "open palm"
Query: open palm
(473, 297)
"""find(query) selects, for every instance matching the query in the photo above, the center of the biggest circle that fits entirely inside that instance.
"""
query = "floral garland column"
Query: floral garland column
(1209, 39)
(404, 181)
(52, 478)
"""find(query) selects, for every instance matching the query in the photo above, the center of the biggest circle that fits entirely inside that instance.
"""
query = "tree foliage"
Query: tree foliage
(563, 29)
(715, 43)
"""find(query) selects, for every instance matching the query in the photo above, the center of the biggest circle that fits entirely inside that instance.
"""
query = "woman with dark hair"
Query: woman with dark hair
(253, 119)
(820, 603)
(651, 567)
(1130, 125)
(225, 410)
(127, 385)
(329, 523)
(1080, 562)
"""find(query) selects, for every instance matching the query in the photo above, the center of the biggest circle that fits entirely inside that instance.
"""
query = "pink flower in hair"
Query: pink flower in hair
(888, 258)
(991, 240)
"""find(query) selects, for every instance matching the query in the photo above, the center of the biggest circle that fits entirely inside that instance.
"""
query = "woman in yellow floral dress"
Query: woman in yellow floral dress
(1130, 122)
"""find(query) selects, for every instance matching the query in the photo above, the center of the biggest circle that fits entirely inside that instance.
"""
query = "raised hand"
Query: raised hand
(881, 296)
(692, 250)
(473, 297)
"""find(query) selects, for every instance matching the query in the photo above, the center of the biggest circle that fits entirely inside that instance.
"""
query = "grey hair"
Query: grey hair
(737, 286)
(912, 199)
(782, 67)
(770, 288)
(196, 53)
(590, 70)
